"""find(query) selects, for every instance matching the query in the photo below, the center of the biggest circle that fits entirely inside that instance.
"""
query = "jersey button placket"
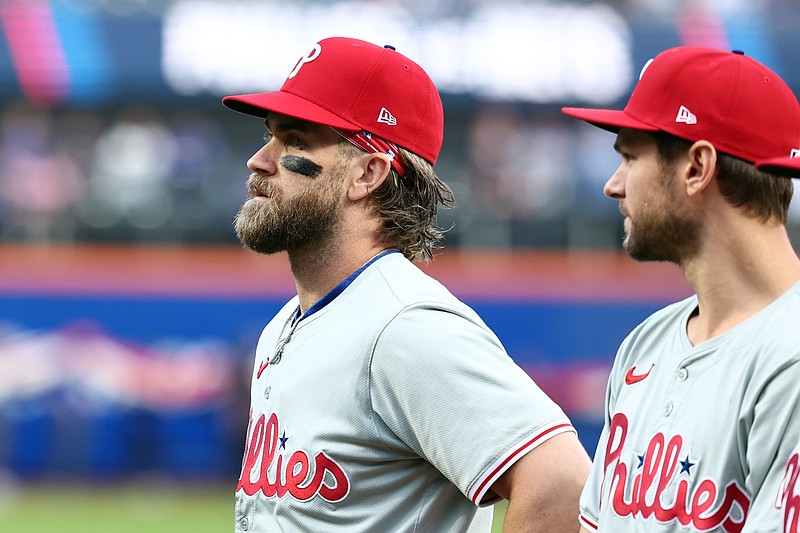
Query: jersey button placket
(680, 376)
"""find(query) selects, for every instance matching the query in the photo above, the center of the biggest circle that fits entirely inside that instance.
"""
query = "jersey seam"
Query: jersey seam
(373, 413)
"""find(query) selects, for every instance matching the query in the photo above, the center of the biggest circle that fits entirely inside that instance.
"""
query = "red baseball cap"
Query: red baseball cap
(355, 85)
(783, 166)
(731, 100)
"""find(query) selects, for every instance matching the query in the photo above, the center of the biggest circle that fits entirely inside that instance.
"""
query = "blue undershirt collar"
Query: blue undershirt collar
(337, 290)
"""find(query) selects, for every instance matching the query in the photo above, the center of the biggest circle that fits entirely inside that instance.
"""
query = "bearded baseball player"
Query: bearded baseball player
(702, 402)
(379, 402)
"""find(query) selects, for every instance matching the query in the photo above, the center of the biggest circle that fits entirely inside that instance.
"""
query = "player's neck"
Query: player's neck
(317, 271)
(737, 275)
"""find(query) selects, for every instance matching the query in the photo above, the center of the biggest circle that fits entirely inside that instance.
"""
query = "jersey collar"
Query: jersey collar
(337, 290)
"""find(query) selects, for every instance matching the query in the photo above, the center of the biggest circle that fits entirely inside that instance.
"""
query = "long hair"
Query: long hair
(408, 206)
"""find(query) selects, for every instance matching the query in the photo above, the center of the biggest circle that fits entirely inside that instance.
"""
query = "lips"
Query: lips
(258, 188)
(257, 193)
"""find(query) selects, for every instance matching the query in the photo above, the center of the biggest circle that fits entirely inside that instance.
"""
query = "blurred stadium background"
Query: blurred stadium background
(128, 311)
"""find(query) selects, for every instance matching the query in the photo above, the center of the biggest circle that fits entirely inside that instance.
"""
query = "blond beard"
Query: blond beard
(284, 223)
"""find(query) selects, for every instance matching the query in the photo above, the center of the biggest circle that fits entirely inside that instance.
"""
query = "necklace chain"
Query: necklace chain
(283, 341)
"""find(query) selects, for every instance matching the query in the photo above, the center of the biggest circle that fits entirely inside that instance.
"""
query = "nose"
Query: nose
(263, 162)
(615, 186)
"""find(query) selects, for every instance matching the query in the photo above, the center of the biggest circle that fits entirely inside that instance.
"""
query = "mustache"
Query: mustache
(257, 185)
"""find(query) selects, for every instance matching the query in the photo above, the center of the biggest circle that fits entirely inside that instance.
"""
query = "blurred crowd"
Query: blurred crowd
(172, 169)
(140, 173)
(133, 174)
(523, 177)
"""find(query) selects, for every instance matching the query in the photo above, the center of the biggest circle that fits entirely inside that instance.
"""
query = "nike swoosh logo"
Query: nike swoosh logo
(261, 368)
(631, 378)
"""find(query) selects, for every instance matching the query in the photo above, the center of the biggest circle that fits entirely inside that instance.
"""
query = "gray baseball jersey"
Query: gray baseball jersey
(696, 438)
(390, 406)
(789, 495)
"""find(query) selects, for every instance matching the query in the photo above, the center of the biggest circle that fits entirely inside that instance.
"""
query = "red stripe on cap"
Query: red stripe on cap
(375, 145)
(508, 459)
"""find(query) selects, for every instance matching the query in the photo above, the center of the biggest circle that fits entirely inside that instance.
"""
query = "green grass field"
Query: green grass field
(135, 508)
(129, 508)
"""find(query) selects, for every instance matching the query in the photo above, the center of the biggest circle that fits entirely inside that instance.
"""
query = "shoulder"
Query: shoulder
(771, 340)
(666, 317)
(396, 282)
(418, 312)
(662, 324)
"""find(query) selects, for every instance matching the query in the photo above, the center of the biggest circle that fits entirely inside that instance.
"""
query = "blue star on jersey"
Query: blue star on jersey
(686, 466)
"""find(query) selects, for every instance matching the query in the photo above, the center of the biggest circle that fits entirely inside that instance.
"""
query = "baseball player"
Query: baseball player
(702, 402)
(379, 401)
(789, 495)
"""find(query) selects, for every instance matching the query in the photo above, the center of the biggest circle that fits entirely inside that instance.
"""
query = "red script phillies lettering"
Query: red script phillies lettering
(650, 483)
(791, 495)
(296, 477)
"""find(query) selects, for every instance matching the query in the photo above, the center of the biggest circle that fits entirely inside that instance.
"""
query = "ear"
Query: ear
(372, 171)
(701, 167)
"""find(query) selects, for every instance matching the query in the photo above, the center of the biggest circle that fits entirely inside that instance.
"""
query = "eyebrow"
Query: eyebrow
(623, 142)
(288, 124)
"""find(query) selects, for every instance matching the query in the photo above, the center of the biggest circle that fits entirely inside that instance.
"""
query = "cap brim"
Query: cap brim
(781, 166)
(608, 119)
(261, 104)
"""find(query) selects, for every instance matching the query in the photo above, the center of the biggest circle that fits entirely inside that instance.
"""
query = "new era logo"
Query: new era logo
(685, 116)
(795, 153)
(386, 118)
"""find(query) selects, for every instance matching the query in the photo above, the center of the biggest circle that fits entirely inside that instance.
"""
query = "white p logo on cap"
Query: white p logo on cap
(312, 55)
(641, 72)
